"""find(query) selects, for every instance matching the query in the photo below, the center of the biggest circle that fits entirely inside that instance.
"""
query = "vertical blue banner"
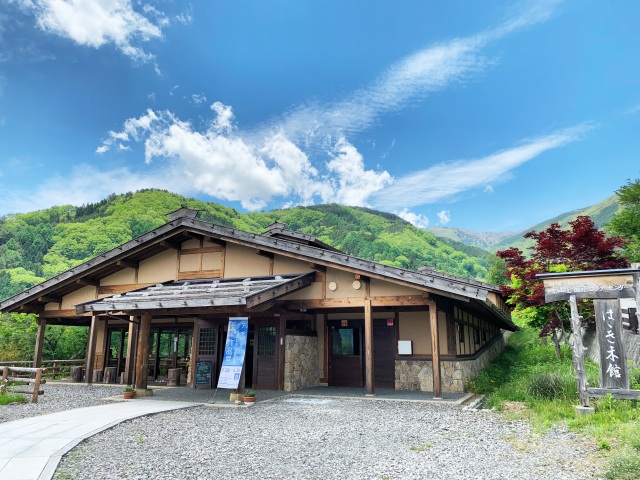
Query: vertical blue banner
(234, 351)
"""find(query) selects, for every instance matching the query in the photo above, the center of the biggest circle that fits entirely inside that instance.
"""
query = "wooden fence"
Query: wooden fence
(33, 384)
(54, 368)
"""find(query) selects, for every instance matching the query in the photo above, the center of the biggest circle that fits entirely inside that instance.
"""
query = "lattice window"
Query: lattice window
(207, 341)
(267, 340)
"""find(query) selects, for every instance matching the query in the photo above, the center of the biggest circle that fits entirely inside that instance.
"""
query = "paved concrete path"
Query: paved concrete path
(31, 448)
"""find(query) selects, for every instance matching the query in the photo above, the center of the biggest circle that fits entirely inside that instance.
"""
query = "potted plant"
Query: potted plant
(249, 397)
(129, 392)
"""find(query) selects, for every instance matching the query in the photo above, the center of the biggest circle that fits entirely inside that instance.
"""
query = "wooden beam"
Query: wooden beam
(397, 301)
(262, 253)
(318, 268)
(37, 354)
(280, 290)
(91, 350)
(169, 244)
(362, 278)
(31, 309)
(128, 264)
(142, 352)
(114, 289)
(88, 282)
(435, 350)
(49, 299)
(59, 313)
(615, 393)
(368, 345)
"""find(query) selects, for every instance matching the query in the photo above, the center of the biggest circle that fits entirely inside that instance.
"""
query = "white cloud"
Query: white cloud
(73, 188)
(354, 184)
(444, 217)
(252, 170)
(414, 76)
(95, 23)
(198, 98)
(306, 154)
(448, 179)
(417, 220)
(488, 189)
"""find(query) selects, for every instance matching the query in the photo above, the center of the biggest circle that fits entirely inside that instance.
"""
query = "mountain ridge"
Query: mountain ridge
(601, 213)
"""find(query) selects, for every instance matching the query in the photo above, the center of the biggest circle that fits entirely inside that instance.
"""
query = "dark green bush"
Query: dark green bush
(552, 386)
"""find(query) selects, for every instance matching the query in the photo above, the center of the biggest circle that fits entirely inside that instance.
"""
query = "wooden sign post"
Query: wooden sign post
(605, 287)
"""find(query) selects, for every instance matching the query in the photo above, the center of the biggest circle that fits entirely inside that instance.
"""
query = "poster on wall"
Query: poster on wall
(234, 351)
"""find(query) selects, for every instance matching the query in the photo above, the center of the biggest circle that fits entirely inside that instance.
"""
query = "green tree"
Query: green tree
(626, 222)
(581, 247)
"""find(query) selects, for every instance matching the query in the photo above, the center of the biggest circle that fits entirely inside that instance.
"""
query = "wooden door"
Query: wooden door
(207, 346)
(265, 357)
(384, 354)
(345, 357)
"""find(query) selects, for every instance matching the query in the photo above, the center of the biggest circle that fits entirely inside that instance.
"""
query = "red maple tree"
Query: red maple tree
(581, 247)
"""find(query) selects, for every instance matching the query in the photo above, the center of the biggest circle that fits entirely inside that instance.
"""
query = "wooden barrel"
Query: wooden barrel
(97, 376)
(77, 374)
(174, 377)
(110, 375)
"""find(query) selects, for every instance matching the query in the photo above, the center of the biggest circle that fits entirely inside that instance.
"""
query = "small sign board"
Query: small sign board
(597, 286)
(204, 369)
(389, 322)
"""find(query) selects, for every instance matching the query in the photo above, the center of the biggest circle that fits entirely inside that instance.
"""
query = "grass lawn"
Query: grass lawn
(529, 372)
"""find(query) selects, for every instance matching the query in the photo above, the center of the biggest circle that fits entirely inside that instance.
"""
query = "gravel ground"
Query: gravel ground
(337, 439)
(58, 397)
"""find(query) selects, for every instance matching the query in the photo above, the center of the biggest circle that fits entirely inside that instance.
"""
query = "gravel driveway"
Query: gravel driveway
(334, 439)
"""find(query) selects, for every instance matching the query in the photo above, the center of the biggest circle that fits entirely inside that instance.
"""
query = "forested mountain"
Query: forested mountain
(484, 240)
(601, 214)
(37, 245)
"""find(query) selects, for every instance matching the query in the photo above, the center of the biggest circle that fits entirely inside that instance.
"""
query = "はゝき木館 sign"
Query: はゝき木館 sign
(605, 287)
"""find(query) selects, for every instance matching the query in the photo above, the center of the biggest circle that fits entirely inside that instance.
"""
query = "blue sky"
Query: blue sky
(486, 115)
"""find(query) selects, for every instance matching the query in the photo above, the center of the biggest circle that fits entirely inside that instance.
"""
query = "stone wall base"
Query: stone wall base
(301, 363)
(418, 374)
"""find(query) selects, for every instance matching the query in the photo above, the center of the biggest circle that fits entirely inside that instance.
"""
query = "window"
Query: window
(461, 333)
(345, 341)
(207, 341)
(476, 336)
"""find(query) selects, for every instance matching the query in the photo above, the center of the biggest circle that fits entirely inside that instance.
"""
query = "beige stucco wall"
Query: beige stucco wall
(416, 326)
(380, 288)
(344, 281)
(191, 243)
(85, 294)
(159, 268)
(284, 265)
(190, 262)
(123, 277)
(312, 292)
(244, 262)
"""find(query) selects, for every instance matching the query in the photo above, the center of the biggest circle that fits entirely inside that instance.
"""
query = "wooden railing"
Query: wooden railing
(33, 384)
(53, 367)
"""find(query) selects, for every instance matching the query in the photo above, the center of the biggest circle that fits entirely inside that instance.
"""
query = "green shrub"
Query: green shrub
(624, 466)
(7, 398)
(552, 386)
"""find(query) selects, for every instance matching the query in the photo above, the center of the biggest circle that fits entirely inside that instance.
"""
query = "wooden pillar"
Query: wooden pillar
(282, 328)
(578, 353)
(142, 357)
(127, 375)
(368, 346)
(37, 354)
(435, 349)
(91, 350)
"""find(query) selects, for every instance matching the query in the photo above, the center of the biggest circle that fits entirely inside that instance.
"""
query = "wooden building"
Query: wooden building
(316, 316)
